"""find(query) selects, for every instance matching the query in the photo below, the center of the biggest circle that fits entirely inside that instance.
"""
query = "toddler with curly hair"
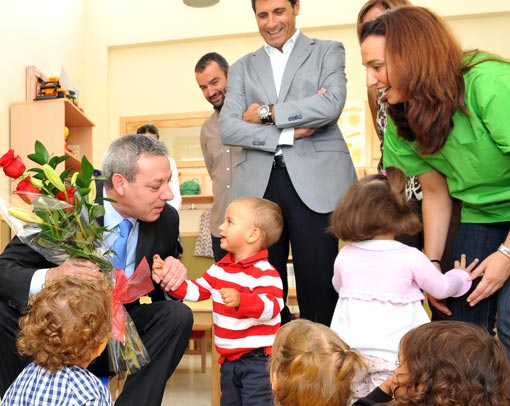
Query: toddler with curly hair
(67, 326)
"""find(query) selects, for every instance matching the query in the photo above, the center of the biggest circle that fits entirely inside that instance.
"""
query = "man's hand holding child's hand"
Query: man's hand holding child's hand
(170, 273)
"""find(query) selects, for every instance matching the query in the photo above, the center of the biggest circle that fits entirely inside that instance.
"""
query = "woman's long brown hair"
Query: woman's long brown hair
(426, 64)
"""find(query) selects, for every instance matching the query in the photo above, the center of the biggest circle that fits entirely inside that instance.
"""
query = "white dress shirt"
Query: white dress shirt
(278, 63)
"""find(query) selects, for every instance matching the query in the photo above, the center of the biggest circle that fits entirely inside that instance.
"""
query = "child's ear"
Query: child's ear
(100, 348)
(254, 235)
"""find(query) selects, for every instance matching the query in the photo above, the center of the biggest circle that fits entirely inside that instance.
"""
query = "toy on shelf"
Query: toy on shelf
(52, 89)
(71, 149)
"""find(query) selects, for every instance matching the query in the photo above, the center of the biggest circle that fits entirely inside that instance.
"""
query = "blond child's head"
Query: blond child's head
(311, 365)
(68, 323)
(251, 224)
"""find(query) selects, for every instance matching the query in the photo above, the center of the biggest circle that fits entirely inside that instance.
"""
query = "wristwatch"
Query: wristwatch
(504, 250)
(265, 114)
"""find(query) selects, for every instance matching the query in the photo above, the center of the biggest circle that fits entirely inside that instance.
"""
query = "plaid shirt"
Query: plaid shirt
(70, 386)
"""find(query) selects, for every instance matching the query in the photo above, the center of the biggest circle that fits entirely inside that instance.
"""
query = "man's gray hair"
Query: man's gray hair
(123, 153)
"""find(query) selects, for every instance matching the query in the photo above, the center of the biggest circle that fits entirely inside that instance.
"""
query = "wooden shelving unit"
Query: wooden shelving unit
(44, 120)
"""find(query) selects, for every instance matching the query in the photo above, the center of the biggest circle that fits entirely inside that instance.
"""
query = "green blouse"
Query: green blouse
(476, 157)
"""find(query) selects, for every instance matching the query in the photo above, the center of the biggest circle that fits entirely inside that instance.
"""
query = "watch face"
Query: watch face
(263, 111)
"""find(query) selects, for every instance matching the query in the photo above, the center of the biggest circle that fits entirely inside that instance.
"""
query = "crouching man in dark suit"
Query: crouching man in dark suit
(137, 173)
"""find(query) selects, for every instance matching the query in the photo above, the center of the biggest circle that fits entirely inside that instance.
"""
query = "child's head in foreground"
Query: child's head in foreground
(311, 365)
(375, 206)
(251, 224)
(68, 323)
(451, 363)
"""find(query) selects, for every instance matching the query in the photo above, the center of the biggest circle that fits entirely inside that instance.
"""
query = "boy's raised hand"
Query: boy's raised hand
(231, 297)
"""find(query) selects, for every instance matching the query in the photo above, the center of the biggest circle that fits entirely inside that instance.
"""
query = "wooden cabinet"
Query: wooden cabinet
(44, 120)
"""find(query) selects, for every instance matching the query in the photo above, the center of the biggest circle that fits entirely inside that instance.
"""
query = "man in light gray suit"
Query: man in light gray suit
(282, 108)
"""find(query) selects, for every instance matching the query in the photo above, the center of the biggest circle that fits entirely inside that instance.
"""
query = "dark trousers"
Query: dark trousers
(480, 241)
(218, 252)
(165, 328)
(245, 382)
(314, 250)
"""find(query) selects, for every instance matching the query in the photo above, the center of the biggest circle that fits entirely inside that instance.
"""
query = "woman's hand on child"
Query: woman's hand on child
(462, 264)
(231, 297)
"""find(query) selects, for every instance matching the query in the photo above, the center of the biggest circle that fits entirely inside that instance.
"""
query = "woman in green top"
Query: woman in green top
(449, 124)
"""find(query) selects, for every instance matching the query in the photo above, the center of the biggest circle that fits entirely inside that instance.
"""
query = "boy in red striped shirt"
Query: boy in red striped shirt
(247, 296)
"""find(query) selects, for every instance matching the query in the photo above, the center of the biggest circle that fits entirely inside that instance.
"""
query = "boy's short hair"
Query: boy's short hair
(66, 322)
(267, 217)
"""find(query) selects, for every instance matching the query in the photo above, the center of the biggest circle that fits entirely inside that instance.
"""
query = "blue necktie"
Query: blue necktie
(120, 245)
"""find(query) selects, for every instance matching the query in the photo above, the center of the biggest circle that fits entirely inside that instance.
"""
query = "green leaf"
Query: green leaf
(38, 159)
(82, 181)
(96, 212)
(38, 173)
(84, 191)
(41, 150)
(65, 174)
(86, 167)
(55, 160)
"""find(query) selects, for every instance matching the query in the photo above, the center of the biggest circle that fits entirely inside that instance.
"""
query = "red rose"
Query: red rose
(68, 196)
(13, 165)
(27, 191)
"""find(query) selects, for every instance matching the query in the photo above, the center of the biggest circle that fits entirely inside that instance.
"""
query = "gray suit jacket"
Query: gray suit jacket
(319, 166)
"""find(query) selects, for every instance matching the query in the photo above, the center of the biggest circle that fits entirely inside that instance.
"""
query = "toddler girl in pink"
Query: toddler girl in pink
(380, 280)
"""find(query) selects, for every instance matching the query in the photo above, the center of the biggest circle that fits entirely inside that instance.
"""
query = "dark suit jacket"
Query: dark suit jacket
(19, 262)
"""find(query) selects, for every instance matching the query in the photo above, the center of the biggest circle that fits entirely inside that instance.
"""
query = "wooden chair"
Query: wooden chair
(198, 342)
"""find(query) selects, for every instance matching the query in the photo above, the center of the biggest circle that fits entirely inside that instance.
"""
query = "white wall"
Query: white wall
(46, 34)
(158, 77)
(99, 43)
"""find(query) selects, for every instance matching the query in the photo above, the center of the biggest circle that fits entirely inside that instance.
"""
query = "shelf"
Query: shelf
(44, 120)
(192, 202)
(74, 116)
(197, 199)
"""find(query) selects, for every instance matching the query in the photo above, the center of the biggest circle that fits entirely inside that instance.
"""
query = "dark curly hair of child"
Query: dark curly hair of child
(66, 322)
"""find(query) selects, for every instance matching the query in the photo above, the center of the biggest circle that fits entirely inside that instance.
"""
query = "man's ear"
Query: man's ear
(119, 184)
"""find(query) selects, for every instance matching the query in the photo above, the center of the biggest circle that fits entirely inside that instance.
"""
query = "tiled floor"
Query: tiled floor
(188, 386)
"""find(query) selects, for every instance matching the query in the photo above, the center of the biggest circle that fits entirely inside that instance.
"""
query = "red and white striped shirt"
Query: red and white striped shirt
(255, 322)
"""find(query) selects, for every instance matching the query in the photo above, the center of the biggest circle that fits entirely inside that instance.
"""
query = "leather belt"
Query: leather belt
(259, 352)
(278, 161)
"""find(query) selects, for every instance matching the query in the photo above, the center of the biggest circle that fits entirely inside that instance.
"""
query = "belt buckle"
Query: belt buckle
(278, 161)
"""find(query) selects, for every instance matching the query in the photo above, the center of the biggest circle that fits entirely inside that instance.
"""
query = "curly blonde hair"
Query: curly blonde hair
(311, 365)
(66, 322)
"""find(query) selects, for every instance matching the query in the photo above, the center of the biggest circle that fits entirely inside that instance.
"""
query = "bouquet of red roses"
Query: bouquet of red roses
(61, 222)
